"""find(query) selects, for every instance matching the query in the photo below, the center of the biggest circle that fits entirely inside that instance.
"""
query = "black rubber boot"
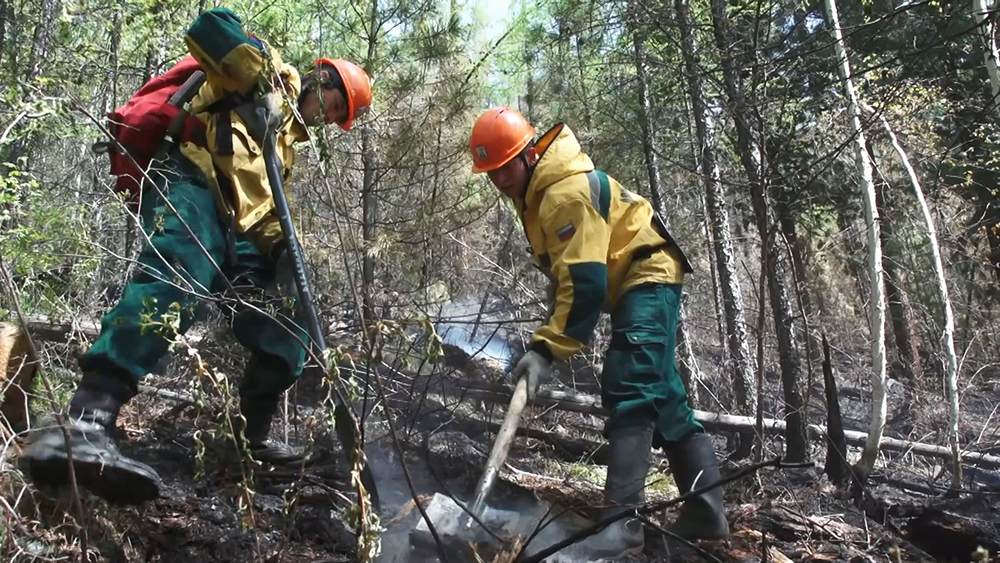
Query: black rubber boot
(623, 490)
(693, 463)
(258, 414)
(97, 463)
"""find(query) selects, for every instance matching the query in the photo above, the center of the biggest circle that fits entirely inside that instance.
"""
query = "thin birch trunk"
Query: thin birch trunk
(987, 31)
(948, 338)
(877, 285)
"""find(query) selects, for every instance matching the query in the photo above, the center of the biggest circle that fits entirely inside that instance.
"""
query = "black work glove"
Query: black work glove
(536, 368)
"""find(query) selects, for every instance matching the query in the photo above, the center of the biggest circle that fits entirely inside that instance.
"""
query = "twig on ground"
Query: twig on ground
(701, 551)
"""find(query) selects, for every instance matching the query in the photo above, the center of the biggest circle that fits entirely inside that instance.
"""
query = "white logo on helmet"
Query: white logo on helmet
(481, 152)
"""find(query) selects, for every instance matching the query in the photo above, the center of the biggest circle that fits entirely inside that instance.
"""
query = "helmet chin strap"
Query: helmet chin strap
(531, 170)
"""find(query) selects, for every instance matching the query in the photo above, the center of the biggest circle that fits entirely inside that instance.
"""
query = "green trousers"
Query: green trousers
(172, 272)
(640, 381)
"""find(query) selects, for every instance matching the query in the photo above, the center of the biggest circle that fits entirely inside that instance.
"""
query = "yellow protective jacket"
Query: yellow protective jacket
(595, 240)
(233, 161)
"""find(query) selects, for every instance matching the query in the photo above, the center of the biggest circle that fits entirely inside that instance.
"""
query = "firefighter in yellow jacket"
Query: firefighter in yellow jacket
(217, 190)
(603, 246)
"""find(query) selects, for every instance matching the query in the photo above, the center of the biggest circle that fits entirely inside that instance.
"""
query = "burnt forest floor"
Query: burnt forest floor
(217, 507)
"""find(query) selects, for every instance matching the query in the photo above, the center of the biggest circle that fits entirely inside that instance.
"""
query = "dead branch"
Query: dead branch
(717, 422)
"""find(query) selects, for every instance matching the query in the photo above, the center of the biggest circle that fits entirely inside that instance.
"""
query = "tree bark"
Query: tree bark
(41, 41)
(761, 332)
(907, 364)
(732, 298)
(720, 315)
(981, 10)
(836, 443)
(3, 30)
(368, 218)
(877, 292)
(948, 338)
(688, 364)
(369, 184)
(786, 222)
(748, 127)
(645, 116)
(115, 39)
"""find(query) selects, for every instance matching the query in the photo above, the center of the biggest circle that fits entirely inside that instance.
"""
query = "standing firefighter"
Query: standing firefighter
(215, 178)
(602, 245)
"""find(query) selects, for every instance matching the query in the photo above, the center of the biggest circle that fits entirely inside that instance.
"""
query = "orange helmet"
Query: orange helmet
(499, 135)
(357, 85)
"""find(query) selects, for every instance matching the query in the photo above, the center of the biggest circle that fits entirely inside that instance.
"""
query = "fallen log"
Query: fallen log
(590, 404)
(566, 449)
(44, 330)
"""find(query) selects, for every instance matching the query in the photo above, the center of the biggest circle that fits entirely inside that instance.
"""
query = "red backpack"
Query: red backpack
(154, 114)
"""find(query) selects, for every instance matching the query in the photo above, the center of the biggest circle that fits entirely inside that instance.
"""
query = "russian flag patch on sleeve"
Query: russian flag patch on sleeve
(566, 233)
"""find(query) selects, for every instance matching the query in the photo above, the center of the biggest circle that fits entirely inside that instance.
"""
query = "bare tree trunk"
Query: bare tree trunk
(761, 332)
(907, 365)
(115, 40)
(836, 444)
(720, 314)
(368, 218)
(786, 222)
(948, 338)
(369, 202)
(732, 298)
(40, 46)
(41, 39)
(688, 366)
(645, 111)
(877, 288)
(3, 30)
(748, 127)
(981, 10)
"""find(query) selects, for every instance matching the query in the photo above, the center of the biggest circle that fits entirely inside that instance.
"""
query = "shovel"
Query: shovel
(345, 422)
(500, 446)
(450, 519)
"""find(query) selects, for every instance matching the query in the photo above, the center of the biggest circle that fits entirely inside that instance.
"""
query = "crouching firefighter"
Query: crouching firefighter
(215, 178)
(602, 245)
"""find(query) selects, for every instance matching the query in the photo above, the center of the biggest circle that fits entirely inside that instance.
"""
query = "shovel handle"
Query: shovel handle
(501, 446)
(345, 422)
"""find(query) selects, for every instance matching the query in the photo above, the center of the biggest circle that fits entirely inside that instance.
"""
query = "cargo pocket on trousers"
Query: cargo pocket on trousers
(634, 358)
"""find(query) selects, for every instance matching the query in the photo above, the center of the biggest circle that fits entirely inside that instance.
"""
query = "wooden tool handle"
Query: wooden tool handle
(501, 446)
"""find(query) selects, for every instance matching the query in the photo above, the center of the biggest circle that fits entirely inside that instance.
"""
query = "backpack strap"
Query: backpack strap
(180, 99)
